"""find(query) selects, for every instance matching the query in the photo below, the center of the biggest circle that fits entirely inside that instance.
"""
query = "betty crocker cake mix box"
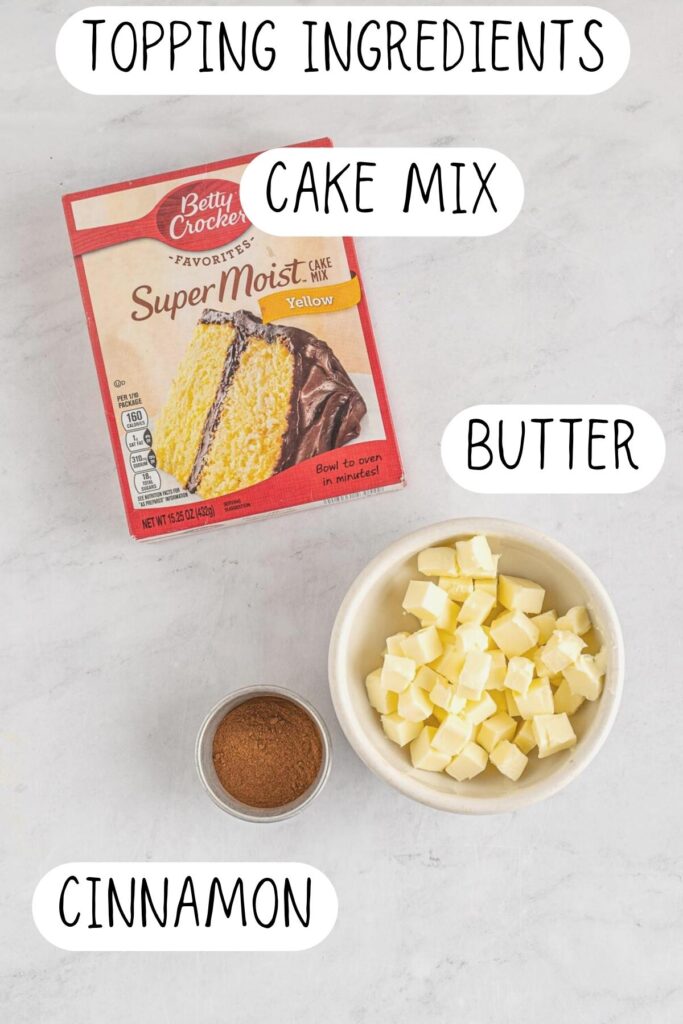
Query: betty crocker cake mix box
(238, 370)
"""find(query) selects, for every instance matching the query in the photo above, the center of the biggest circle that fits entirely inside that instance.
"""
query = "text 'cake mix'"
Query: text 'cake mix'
(238, 370)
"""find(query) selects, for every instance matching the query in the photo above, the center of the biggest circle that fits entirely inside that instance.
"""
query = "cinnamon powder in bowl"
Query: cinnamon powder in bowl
(263, 753)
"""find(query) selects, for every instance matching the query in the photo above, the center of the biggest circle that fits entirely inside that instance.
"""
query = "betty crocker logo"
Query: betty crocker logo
(202, 215)
(198, 216)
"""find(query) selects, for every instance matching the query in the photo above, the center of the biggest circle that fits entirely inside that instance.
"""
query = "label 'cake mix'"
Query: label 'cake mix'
(238, 370)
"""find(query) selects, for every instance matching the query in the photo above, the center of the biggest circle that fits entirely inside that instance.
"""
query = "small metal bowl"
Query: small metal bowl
(207, 772)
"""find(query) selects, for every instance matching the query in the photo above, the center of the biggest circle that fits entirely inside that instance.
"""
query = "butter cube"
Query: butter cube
(525, 738)
(443, 695)
(512, 709)
(488, 586)
(457, 589)
(470, 637)
(397, 673)
(538, 700)
(561, 651)
(514, 633)
(450, 663)
(499, 699)
(518, 594)
(477, 711)
(576, 620)
(400, 731)
(476, 607)
(381, 699)
(475, 558)
(473, 675)
(423, 646)
(425, 600)
(553, 733)
(495, 729)
(496, 679)
(395, 643)
(545, 624)
(437, 562)
(520, 672)
(426, 678)
(584, 677)
(452, 735)
(508, 759)
(540, 668)
(423, 755)
(471, 761)
(601, 661)
(414, 704)
(566, 702)
(448, 619)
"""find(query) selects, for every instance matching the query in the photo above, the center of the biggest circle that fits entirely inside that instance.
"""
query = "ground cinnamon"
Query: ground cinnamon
(267, 751)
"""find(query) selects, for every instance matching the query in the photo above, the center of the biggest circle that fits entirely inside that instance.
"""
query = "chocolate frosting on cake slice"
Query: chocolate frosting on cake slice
(326, 408)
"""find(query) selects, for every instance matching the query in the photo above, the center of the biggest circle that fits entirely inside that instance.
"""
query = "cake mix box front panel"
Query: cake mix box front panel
(238, 371)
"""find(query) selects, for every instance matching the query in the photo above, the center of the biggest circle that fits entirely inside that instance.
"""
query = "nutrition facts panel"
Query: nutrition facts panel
(142, 459)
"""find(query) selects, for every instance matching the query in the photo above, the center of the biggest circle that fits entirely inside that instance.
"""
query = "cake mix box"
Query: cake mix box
(238, 371)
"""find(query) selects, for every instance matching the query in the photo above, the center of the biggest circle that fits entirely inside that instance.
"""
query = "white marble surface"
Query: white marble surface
(112, 651)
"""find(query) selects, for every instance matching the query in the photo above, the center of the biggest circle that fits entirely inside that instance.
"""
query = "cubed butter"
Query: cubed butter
(470, 637)
(400, 731)
(499, 699)
(423, 646)
(495, 729)
(538, 700)
(476, 607)
(545, 624)
(518, 594)
(540, 668)
(425, 600)
(473, 675)
(471, 761)
(383, 700)
(512, 709)
(553, 733)
(457, 589)
(443, 695)
(584, 677)
(477, 711)
(437, 562)
(449, 663)
(520, 672)
(423, 755)
(525, 738)
(561, 651)
(566, 702)
(576, 620)
(448, 619)
(475, 557)
(496, 679)
(508, 759)
(427, 678)
(514, 633)
(397, 673)
(395, 643)
(488, 586)
(452, 735)
(414, 704)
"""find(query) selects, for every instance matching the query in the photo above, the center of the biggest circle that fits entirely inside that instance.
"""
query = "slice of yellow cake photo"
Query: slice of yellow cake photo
(249, 400)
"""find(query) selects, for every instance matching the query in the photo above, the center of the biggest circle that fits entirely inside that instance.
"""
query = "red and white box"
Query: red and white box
(238, 371)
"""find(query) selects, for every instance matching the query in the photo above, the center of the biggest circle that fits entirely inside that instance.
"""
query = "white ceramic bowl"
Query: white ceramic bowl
(371, 611)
